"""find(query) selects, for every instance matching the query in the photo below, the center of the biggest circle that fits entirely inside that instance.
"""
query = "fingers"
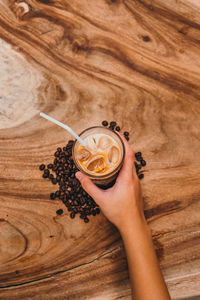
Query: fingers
(87, 184)
(128, 170)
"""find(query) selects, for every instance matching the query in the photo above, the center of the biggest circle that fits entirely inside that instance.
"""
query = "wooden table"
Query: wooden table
(136, 62)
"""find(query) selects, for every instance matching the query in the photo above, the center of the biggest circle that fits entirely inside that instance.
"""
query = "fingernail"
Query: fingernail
(79, 175)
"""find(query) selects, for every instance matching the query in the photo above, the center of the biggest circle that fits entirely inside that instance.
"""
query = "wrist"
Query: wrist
(135, 224)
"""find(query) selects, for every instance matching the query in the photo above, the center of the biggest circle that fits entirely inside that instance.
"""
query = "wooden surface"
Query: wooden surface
(136, 62)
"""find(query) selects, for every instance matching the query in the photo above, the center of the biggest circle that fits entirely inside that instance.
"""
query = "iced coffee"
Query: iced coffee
(103, 155)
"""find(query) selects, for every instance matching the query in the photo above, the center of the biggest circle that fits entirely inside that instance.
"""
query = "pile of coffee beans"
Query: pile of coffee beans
(62, 171)
(138, 155)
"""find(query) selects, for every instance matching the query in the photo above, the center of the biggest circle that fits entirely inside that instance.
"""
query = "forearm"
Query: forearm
(146, 278)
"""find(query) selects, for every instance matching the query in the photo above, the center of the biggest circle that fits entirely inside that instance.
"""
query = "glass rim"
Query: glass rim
(108, 174)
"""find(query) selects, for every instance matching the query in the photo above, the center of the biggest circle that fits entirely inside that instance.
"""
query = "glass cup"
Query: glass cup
(108, 178)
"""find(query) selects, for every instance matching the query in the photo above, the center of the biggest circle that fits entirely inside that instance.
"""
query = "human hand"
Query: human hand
(121, 203)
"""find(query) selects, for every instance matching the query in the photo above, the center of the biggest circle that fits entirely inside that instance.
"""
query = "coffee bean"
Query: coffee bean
(136, 166)
(57, 154)
(76, 203)
(113, 124)
(126, 133)
(57, 193)
(140, 176)
(97, 210)
(50, 166)
(64, 200)
(51, 176)
(67, 204)
(105, 123)
(63, 187)
(72, 215)
(139, 158)
(138, 154)
(117, 128)
(45, 175)
(52, 196)
(54, 181)
(143, 163)
(59, 212)
(86, 220)
(94, 213)
(42, 167)
(126, 137)
(59, 149)
(46, 171)
(76, 183)
(62, 161)
(58, 177)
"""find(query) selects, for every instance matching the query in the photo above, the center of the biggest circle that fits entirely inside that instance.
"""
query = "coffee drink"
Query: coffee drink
(103, 155)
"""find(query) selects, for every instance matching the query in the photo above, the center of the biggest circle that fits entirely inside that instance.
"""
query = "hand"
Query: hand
(121, 203)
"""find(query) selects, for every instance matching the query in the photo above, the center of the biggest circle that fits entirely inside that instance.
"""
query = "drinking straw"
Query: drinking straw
(63, 126)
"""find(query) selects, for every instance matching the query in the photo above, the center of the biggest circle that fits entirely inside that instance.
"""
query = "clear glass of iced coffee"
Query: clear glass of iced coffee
(103, 156)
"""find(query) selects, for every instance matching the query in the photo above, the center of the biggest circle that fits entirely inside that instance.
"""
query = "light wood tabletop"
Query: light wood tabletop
(82, 62)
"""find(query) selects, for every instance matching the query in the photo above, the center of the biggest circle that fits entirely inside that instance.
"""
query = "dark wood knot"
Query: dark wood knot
(20, 9)
(45, 1)
(79, 44)
(146, 38)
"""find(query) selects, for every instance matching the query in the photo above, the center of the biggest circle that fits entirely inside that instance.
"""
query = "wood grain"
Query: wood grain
(136, 62)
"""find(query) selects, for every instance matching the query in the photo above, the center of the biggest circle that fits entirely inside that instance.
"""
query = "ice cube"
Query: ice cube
(113, 155)
(91, 144)
(83, 154)
(96, 164)
(104, 142)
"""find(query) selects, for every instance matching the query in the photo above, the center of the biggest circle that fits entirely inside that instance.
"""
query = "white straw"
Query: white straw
(63, 126)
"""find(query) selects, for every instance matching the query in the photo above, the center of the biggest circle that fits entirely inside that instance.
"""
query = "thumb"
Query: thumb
(126, 172)
(87, 184)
